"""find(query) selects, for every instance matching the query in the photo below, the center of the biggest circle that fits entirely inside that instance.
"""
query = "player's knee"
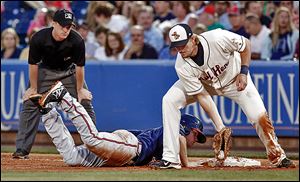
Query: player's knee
(257, 117)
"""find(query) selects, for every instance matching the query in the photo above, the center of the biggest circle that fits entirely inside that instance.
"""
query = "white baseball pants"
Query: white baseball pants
(250, 102)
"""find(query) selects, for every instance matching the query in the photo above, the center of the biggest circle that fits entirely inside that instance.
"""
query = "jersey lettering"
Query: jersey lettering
(216, 71)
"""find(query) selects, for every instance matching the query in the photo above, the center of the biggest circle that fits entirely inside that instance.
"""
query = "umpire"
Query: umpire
(56, 53)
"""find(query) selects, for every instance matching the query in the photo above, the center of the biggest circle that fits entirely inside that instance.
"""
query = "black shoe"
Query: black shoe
(286, 163)
(19, 154)
(163, 164)
(55, 94)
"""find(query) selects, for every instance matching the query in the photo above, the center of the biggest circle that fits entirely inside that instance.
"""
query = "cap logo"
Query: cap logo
(175, 35)
(68, 16)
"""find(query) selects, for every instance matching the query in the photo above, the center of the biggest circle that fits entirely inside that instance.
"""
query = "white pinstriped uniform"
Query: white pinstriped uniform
(101, 148)
(222, 63)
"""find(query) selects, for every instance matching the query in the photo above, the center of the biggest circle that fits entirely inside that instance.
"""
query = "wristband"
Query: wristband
(244, 69)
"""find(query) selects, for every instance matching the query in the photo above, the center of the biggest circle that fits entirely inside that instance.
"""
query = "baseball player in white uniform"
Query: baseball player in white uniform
(214, 63)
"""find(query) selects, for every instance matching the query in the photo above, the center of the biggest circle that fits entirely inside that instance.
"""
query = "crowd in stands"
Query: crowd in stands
(135, 30)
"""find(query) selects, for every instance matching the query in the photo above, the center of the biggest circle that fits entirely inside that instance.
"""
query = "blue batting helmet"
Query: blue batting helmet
(189, 122)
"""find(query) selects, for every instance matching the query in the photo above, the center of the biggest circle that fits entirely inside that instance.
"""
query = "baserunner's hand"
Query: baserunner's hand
(84, 94)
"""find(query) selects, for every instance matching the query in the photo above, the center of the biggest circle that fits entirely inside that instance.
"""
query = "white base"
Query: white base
(229, 162)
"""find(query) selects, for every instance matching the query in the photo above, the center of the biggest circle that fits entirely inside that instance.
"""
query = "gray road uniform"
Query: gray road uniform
(216, 73)
(100, 148)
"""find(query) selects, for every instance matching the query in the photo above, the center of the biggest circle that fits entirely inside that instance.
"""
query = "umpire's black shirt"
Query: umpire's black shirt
(56, 54)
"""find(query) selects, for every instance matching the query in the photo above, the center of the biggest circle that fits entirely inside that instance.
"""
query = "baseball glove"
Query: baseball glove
(222, 144)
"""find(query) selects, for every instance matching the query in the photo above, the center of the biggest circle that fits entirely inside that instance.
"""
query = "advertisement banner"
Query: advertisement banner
(128, 95)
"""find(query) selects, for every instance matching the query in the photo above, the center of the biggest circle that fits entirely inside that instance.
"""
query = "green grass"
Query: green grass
(157, 175)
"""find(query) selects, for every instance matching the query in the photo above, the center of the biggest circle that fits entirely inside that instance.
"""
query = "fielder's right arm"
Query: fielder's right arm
(210, 108)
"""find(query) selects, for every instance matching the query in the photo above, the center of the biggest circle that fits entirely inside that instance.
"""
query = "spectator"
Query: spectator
(49, 16)
(153, 35)
(162, 11)
(103, 15)
(114, 46)
(236, 18)
(221, 10)
(10, 44)
(100, 34)
(118, 7)
(25, 52)
(199, 29)
(198, 6)
(269, 9)
(90, 17)
(296, 55)
(166, 53)
(59, 5)
(207, 17)
(296, 17)
(181, 10)
(255, 7)
(293, 7)
(38, 20)
(258, 33)
(193, 20)
(281, 43)
(90, 47)
(138, 48)
(131, 10)
(43, 18)
(288, 4)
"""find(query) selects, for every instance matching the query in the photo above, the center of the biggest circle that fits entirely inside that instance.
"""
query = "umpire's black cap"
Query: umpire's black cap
(180, 34)
(64, 17)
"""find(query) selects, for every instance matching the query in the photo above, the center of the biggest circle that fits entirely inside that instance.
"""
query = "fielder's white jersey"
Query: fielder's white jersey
(222, 62)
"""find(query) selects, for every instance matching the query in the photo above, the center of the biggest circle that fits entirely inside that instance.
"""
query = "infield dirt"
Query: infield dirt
(54, 162)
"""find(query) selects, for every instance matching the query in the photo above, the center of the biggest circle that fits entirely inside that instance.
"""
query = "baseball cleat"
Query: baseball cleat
(163, 164)
(55, 94)
(286, 163)
(19, 154)
(35, 98)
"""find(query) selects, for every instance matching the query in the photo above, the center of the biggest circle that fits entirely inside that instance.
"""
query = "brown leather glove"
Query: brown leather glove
(222, 142)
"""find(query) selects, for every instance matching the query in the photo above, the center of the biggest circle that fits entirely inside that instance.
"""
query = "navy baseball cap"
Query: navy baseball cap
(180, 34)
(64, 17)
(189, 122)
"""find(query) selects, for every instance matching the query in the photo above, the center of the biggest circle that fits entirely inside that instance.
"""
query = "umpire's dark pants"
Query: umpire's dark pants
(30, 116)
